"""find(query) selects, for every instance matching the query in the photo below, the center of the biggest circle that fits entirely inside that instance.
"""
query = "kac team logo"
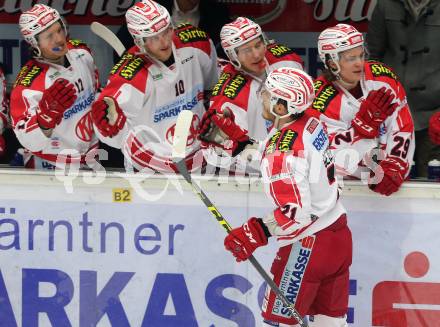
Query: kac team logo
(84, 128)
(192, 134)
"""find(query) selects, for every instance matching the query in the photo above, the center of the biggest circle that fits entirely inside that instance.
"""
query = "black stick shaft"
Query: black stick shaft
(181, 166)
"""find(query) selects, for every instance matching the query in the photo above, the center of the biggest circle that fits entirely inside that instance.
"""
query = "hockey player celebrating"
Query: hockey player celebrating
(53, 93)
(309, 221)
(165, 72)
(233, 119)
(3, 112)
(364, 108)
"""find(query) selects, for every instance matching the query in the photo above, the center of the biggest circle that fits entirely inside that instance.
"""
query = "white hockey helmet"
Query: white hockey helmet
(239, 32)
(292, 85)
(36, 20)
(146, 19)
(336, 39)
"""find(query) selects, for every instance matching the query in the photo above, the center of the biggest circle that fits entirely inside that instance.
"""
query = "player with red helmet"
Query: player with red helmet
(364, 108)
(311, 266)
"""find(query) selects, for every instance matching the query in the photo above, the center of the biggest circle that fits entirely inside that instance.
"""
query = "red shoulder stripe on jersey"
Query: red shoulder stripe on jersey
(218, 88)
(325, 92)
(404, 120)
(77, 44)
(29, 73)
(377, 71)
(187, 35)
(279, 52)
(31, 124)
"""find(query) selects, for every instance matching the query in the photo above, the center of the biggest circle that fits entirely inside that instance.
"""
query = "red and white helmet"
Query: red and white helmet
(36, 20)
(146, 19)
(239, 32)
(292, 85)
(336, 39)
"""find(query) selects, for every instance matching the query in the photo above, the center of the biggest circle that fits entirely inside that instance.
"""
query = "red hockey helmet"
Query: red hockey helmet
(146, 19)
(292, 85)
(336, 39)
(239, 32)
(36, 20)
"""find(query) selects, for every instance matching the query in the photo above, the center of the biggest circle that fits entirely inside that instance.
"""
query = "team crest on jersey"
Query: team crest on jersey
(234, 86)
(188, 33)
(27, 75)
(324, 97)
(378, 70)
(84, 128)
(221, 81)
(279, 50)
(131, 67)
(124, 59)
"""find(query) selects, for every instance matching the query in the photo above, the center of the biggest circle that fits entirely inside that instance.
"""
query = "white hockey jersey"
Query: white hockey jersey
(299, 176)
(352, 151)
(75, 133)
(152, 95)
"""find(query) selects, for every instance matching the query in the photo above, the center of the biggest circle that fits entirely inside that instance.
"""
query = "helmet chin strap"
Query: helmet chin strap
(276, 122)
(346, 85)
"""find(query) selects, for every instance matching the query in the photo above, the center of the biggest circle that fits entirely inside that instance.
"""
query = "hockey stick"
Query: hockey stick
(181, 133)
(108, 36)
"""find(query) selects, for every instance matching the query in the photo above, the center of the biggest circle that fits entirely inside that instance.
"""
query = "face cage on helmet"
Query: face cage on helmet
(33, 40)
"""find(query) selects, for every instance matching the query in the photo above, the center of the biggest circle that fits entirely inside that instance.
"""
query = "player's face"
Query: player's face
(252, 56)
(52, 42)
(186, 5)
(278, 108)
(352, 64)
(265, 99)
(160, 45)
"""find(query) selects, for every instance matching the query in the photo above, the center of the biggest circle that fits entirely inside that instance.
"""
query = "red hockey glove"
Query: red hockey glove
(218, 128)
(373, 111)
(243, 241)
(2, 146)
(434, 128)
(56, 99)
(108, 117)
(393, 176)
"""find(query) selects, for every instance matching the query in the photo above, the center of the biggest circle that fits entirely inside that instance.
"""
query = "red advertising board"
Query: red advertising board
(274, 15)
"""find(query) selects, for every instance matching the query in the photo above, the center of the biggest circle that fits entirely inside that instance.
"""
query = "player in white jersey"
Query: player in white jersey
(311, 266)
(53, 93)
(167, 71)
(364, 108)
(251, 59)
(4, 105)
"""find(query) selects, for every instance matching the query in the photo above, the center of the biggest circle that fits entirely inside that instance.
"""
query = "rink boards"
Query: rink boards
(121, 251)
